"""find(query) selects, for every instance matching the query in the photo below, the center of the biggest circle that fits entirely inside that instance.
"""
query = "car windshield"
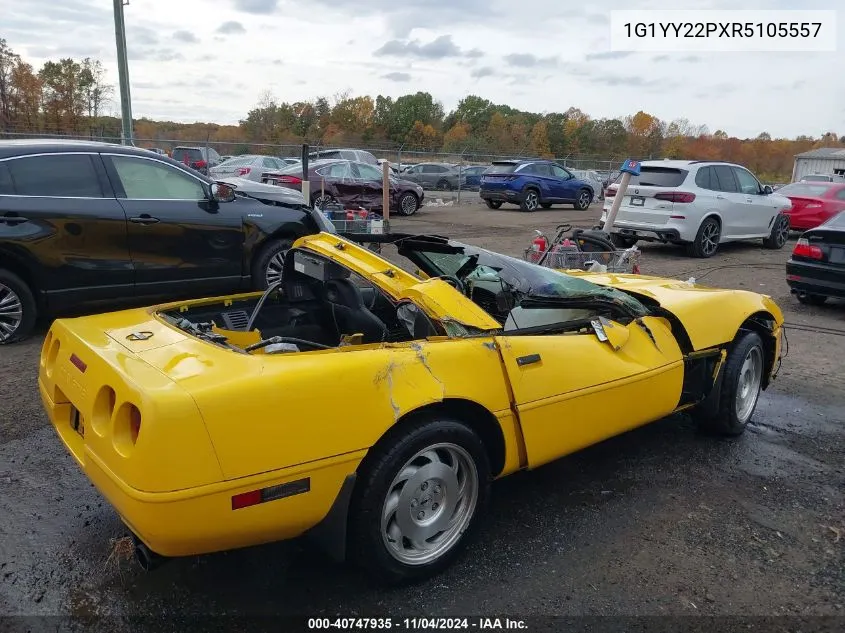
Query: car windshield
(524, 278)
(804, 190)
(651, 176)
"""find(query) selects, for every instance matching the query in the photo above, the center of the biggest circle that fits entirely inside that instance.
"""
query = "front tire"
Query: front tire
(729, 408)
(269, 264)
(546, 205)
(419, 501)
(443, 185)
(706, 240)
(18, 309)
(583, 200)
(408, 204)
(779, 235)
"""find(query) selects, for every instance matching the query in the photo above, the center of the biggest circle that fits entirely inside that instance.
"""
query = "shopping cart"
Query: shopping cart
(352, 223)
(581, 250)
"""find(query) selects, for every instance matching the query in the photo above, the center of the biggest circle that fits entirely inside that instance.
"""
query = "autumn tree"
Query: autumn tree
(455, 139)
(540, 140)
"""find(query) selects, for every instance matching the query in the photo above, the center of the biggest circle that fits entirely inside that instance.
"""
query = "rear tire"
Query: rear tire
(706, 240)
(811, 300)
(381, 519)
(18, 308)
(779, 234)
(494, 204)
(728, 409)
(530, 200)
(268, 264)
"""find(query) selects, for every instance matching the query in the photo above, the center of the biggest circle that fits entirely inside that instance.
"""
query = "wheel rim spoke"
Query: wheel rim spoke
(429, 504)
(11, 312)
(275, 268)
(749, 383)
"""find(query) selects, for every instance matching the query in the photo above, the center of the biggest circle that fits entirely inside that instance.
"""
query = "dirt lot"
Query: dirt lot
(661, 521)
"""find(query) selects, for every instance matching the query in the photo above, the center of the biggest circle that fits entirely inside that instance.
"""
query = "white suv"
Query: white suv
(700, 204)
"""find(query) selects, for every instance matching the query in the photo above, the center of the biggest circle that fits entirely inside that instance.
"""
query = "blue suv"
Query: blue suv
(532, 184)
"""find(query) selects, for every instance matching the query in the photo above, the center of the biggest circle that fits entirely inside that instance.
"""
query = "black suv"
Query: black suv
(100, 223)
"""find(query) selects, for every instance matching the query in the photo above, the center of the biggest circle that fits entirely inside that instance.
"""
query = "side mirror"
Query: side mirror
(767, 190)
(221, 192)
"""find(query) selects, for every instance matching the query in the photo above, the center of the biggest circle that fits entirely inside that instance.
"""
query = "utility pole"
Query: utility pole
(127, 136)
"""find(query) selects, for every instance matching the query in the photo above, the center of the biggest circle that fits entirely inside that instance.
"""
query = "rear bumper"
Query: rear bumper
(501, 195)
(647, 234)
(815, 279)
(201, 520)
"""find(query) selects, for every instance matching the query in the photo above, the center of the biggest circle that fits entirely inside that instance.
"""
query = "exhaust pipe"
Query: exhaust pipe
(147, 559)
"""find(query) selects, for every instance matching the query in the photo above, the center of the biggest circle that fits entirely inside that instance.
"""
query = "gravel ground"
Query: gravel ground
(660, 521)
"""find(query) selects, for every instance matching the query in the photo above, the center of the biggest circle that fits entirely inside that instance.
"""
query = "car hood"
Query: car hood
(264, 191)
(710, 316)
(404, 184)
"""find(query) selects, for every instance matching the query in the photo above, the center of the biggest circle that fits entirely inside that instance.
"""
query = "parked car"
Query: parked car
(249, 166)
(353, 184)
(699, 204)
(158, 150)
(472, 175)
(823, 178)
(813, 203)
(114, 223)
(436, 388)
(442, 176)
(532, 184)
(199, 158)
(816, 269)
(593, 178)
(357, 155)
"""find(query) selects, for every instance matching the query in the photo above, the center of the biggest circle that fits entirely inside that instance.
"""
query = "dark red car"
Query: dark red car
(353, 184)
(813, 203)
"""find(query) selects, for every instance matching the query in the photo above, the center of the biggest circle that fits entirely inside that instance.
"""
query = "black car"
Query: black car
(100, 223)
(816, 269)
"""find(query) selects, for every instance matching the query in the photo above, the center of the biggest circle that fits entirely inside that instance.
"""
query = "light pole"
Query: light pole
(127, 137)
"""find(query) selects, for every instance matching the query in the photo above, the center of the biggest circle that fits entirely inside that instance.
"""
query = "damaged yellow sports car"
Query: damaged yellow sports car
(371, 407)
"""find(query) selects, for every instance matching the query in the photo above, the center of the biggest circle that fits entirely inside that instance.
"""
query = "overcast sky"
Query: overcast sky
(210, 60)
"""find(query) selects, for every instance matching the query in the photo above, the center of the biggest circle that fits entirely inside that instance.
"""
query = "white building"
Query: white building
(827, 160)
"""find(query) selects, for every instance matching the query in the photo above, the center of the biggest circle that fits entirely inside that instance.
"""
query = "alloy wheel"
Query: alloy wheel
(275, 267)
(584, 200)
(430, 504)
(532, 200)
(782, 233)
(750, 380)
(11, 312)
(710, 238)
(408, 205)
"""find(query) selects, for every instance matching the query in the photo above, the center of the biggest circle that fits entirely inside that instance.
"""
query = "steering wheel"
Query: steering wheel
(453, 281)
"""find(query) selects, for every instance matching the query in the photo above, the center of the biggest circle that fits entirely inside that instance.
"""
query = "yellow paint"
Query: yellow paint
(216, 423)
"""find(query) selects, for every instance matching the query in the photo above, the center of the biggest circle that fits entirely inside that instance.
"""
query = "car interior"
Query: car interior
(318, 305)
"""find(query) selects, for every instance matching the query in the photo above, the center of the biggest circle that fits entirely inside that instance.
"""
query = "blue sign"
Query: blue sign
(631, 166)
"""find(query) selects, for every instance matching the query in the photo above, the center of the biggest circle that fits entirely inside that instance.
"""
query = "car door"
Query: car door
(59, 216)
(565, 186)
(370, 179)
(759, 212)
(730, 200)
(573, 390)
(177, 236)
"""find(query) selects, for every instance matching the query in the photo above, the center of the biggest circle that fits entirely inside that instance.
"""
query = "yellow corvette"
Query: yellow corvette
(370, 407)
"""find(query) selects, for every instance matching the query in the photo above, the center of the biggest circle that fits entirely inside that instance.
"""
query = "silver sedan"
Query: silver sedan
(247, 166)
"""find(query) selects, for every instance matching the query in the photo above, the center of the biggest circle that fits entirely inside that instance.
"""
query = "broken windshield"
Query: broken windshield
(529, 280)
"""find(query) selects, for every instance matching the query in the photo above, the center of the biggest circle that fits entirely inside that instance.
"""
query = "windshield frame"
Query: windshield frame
(528, 281)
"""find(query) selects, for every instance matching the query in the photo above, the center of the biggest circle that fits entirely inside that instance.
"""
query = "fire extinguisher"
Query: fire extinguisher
(538, 246)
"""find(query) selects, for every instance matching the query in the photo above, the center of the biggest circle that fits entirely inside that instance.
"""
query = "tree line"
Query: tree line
(70, 96)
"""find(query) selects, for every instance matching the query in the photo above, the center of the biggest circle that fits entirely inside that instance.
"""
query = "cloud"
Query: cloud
(258, 7)
(608, 55)
(597, 18)
(690, 59)
(661, 58)
(480, 73)
(400, 77)
(527, 60)
(439, 48)
(231, 27)
(186, 37)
